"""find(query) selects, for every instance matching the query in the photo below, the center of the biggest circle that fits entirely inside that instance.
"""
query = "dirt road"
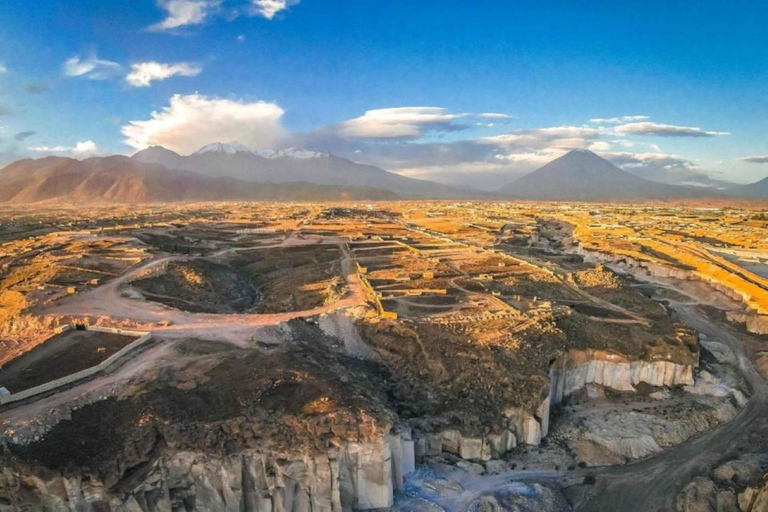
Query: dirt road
(109, 300)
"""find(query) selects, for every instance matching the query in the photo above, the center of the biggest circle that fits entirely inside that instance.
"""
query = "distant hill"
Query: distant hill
(581, 175)
(124, 180)
(757, 190)
(237, 161)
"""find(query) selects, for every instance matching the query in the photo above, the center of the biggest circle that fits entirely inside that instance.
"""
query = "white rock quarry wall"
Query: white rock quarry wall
(577, 368)
(357, 476)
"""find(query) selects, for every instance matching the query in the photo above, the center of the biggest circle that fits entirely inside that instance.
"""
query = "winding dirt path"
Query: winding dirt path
(109, 300)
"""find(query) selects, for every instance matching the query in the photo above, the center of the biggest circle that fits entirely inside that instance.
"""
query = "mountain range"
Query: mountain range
(230, 171)
(290, 165)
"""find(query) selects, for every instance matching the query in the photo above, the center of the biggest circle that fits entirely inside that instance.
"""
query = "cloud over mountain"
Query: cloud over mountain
(192, 121)
(404, 123)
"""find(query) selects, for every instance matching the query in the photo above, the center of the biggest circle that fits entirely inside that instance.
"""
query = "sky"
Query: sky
(465, 92)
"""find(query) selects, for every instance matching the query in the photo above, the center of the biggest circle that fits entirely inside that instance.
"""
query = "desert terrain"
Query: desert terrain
(408, 355)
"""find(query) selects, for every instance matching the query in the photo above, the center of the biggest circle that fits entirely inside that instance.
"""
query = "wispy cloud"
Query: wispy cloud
(144, 73)
(185, 13)
(182, 13)
(756, 159)
(664, 130)
(91, 68)
(270, 8)
(3, 69)
(80, 150)
(405, 123)
(192, 121)
(617, 120)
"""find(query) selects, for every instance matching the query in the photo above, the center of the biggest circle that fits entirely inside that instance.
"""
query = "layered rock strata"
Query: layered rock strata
(576, 368)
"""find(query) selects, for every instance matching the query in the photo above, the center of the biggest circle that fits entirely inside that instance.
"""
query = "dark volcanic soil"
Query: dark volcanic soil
(298, 396)
(201, 286)
(62, 355)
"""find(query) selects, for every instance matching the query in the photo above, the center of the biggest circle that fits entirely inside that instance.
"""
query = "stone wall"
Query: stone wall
(144, 337)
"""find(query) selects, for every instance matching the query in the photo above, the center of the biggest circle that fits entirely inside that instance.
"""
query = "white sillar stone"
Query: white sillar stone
(371, 472)
(531, 431)
(451, 441)
(542, 413)
(471, 448)
(396, 447)
(409, 457)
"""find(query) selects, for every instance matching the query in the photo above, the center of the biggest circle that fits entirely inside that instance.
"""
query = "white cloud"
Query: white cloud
(617, 120)
(86, 148)
(91, 68)
(403, 123)
(192, 121)
(3, 69)
(564, 137)
(80, 150)
(181, 13)
(269, 8)
(493, 115)
(664, 130)
(756, 159)
(144, 73)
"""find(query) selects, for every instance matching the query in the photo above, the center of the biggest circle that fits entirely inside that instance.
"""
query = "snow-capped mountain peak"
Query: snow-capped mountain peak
(230, 148)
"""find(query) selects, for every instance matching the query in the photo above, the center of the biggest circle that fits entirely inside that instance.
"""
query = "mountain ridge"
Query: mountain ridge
(118, 179)
(288, 165)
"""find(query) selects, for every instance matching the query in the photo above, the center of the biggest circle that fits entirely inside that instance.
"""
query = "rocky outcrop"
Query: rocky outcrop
(576, 368)
(757, 324)
(753, 321)
(738, 485)
(355, 476)
(522, 427)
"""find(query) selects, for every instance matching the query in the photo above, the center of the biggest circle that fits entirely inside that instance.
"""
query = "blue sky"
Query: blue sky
(683, 86)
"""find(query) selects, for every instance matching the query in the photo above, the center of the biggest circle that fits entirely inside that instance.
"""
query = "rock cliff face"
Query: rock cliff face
(577, 368)
(522, 428)
(757, 324)
(356, 476)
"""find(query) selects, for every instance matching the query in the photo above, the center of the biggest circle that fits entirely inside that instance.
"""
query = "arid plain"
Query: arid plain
(426, 355)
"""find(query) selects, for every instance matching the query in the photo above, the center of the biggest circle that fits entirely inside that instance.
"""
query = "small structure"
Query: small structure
(94, 282)
(4, 391)
(71, 290)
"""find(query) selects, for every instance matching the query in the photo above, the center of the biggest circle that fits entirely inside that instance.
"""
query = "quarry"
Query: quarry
(408, 356)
